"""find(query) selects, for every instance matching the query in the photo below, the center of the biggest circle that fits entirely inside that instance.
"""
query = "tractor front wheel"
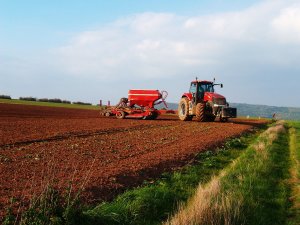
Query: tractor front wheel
(189, 118)
(183, 109)
(211, 118)
(200, 112)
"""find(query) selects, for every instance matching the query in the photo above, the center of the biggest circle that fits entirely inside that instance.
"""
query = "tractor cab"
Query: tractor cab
(199, 88)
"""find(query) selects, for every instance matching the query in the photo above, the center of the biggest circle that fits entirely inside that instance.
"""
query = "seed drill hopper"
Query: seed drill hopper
(139, 104)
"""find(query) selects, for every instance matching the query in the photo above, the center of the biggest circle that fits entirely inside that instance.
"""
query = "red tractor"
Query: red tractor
(202, 102)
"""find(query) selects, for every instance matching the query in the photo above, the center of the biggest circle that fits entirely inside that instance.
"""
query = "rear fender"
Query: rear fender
(188, 96)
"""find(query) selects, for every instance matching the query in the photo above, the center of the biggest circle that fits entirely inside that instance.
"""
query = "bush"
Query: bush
(43, 100)
(66, 102)
(5, 97)
(28, 98)
(55, 100)
(81, 103)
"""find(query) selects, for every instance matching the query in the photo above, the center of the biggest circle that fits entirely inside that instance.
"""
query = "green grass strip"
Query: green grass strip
(254, 189)
(260, 179)
(49, 104)
(295, 172)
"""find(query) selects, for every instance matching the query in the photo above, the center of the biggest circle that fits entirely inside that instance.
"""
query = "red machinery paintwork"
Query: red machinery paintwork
(202, 81)
(143, 98)
(187, 95)
(208, 96)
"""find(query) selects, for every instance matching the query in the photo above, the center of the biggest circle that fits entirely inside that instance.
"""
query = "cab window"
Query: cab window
(193, 88)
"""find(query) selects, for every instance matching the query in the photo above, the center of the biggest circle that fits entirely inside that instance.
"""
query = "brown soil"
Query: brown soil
(39, 145)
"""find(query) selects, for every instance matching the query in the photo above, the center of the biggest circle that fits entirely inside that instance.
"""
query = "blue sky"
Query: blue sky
(91, 50)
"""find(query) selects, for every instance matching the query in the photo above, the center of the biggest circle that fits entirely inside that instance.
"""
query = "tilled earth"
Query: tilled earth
(104, 156)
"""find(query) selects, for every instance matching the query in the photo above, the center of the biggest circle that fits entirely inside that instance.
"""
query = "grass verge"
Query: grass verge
(49, 104)
(295, 172)
(253, 190)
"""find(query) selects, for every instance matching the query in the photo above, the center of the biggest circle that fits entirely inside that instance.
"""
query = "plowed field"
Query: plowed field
(39, 145)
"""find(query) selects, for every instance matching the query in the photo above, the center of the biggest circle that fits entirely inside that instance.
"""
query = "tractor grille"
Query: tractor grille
(219, 101)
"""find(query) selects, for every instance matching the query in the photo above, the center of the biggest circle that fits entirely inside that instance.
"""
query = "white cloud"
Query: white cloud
(163, 44)
(150, 50)
(146, 24)
(287, 24)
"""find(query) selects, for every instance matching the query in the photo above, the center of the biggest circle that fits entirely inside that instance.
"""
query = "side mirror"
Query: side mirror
(221, 85)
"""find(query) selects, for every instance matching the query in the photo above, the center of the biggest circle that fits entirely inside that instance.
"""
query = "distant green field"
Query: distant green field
(51, 104)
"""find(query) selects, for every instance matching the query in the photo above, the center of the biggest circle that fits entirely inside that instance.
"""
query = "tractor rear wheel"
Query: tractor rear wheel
(200, 112)
(183, 109)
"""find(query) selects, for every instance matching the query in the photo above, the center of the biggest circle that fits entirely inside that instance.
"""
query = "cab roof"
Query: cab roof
(202, 81)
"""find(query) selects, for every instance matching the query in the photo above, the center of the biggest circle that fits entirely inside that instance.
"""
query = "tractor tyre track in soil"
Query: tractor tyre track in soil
(104, 155)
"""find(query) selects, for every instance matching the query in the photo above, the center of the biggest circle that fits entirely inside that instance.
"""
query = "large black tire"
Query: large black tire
(209, 112)
(183, 109)
(189, 118)
(200, 112)
(211, 118)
